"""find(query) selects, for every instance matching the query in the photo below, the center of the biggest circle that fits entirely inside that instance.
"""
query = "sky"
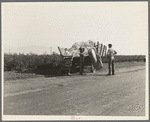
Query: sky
(53, 24)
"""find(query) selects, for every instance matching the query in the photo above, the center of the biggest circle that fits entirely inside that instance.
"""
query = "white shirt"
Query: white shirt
(111, 52)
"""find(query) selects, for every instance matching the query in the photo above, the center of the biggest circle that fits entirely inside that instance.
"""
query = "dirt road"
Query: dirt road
(90, 94)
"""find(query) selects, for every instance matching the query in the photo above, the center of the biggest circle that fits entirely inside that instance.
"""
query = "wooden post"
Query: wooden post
(81, 60)
(101, 47)
(105, 51)
(97, 47)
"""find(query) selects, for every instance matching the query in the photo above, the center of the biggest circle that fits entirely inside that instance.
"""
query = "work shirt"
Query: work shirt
(110, 54)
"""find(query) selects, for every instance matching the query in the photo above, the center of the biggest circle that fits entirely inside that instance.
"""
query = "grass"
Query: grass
(13, 75)
(126, 64)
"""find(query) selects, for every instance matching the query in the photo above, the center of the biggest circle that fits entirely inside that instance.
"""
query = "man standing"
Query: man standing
(111, 59)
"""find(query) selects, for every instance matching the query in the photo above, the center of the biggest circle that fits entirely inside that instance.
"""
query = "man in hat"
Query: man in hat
(111, 59)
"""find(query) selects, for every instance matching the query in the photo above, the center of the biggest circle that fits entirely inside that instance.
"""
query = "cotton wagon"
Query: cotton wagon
(82, 54)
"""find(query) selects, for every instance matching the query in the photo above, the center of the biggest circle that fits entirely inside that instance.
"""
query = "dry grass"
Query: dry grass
(13, 75)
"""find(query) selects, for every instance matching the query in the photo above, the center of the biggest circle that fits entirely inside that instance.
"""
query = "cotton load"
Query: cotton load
(74, 50)
(90, 50)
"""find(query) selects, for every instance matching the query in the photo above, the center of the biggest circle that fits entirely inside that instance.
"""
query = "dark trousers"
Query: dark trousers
(111, 66)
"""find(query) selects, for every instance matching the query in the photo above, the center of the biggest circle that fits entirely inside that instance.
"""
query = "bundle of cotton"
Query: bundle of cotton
(74, 50)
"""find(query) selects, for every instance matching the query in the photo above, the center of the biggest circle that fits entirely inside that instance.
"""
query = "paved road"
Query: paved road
(100, 95)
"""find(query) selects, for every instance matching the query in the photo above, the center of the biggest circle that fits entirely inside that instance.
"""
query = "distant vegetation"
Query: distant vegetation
(31, 61)
(127, 58)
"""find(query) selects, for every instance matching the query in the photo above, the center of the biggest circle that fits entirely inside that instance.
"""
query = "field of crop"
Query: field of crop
(39, 63)
(21, 62)
(13, 75)
(127, 58)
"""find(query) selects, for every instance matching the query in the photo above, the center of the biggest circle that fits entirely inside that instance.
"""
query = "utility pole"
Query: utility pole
(50, 50)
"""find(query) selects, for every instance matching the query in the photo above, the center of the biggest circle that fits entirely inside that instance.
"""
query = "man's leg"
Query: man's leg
(113, 67)
(109, 67)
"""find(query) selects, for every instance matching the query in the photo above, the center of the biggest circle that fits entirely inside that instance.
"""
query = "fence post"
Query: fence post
(81, 60)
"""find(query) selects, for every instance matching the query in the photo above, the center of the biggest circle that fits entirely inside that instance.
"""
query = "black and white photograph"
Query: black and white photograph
(75, 60)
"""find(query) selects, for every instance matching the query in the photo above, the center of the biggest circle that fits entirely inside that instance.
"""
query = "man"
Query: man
(111, 59)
